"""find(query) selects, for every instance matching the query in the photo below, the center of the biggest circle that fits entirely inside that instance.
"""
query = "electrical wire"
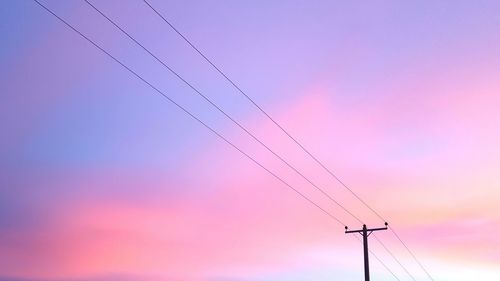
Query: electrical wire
(411, 253)
(262, 110)
(394, 257)
(188, 112)
(217, 107)
(222, 137)
(378, 259)
(223, 112)
(295, 140)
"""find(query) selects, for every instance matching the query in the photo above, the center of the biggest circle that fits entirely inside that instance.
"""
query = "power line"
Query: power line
(261, 109)
(188, 112)
(411, 253)
(378, 259)
(394, 257)
(215, 132)
(222, 111)
(295, 140)
(216, 106)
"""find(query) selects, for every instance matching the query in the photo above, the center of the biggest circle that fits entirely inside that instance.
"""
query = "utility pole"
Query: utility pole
(365, 232)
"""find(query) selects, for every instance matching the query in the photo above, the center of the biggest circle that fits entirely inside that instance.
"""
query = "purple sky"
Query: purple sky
(103, 179)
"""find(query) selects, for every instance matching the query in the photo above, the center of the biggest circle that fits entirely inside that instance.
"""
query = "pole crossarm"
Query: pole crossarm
(360, 231)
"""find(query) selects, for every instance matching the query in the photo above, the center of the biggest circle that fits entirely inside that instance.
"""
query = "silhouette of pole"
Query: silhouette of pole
(365, 251)
(365, 232)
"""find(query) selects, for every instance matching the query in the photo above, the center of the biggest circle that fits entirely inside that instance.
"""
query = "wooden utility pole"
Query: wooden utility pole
(365, 232)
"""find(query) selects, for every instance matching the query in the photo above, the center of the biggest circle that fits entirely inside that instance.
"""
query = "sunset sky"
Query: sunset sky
(103, 179)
